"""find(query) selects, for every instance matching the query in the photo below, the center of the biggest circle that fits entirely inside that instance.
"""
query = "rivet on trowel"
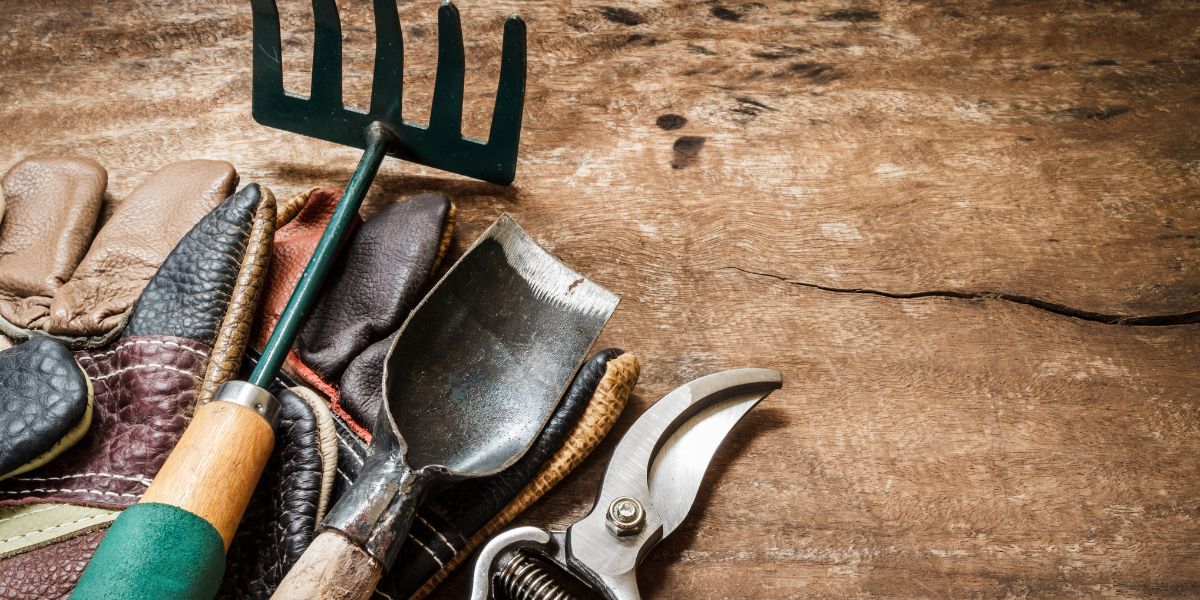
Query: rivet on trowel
(626, 516)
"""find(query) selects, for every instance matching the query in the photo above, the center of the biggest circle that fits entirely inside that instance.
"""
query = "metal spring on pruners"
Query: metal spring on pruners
(526, 578)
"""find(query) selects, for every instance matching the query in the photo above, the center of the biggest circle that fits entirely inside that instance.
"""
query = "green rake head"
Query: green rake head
(440, 144)
(381, 130)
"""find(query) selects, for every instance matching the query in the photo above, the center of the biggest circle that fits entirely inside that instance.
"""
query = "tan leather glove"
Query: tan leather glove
(64, 277)
(184, 338)
(61, 276)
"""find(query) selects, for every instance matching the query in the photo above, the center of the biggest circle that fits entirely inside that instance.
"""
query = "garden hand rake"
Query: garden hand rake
(381, 130)
(208, 479)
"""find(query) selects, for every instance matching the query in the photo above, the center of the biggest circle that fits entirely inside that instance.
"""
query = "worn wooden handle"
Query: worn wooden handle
(215, 466)
(172, 543)
(332, 568)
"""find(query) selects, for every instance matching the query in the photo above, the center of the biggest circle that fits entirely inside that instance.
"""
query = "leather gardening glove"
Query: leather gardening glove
(62, 277)
(386, 267)
(59, 275)
(396, 250)
(184, 337)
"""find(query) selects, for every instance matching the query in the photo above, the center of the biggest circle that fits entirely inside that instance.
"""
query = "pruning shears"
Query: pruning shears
(647, 491)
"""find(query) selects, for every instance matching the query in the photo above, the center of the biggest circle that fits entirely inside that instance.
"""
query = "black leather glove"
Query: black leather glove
(184, 338)
(395, 252)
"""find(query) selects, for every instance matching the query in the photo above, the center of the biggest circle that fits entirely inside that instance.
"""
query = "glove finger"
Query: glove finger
(52, 205)
(133, 243)
(45, 404)
(383, 272)
(208, 287)
(360, 395)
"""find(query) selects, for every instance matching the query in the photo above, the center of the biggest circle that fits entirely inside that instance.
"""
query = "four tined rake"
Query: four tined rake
(381, 130)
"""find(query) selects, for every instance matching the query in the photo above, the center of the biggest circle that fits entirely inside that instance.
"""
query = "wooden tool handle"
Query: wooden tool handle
(172, 543)
(213, 470)
(332, 568)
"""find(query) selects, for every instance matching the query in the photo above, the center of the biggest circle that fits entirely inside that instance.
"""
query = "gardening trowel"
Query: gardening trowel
(469, 382)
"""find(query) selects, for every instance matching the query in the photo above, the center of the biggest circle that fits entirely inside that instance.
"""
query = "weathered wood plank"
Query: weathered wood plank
(737, 171)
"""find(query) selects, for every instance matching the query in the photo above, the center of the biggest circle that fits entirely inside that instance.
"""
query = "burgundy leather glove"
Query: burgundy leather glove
(60, 277)
(184, 337)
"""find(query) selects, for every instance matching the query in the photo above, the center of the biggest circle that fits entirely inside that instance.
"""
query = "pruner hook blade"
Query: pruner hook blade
(648, 490)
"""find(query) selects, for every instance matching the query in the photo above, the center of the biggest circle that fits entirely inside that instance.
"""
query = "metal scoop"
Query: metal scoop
(471, 379)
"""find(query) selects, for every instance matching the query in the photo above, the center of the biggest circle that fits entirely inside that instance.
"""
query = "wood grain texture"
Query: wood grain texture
(966, 233)
(333, 568)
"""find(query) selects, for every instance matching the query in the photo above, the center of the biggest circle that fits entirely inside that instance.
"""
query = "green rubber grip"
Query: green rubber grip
(155, 552)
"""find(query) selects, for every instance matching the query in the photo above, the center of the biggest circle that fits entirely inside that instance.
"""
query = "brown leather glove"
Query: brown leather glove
(63, 278)
(56, 277)
(384, 270)
(184, 337)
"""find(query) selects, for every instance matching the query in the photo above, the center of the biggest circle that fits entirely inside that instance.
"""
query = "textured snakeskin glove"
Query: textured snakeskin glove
(60, 276)
(184, 337)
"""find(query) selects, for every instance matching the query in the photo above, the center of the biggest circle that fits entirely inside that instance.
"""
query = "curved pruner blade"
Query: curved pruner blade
(681, 461)
(670, 446)
(660, 464)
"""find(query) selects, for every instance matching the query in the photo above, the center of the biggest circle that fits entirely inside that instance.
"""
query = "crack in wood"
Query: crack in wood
(1186, 318)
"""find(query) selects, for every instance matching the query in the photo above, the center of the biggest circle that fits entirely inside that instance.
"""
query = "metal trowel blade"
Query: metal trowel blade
(481, 363)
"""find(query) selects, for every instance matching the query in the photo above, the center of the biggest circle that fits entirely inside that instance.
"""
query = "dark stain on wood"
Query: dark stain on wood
(642, 39)
(687, 150)
(779, 53)
(753, 102)
(1103, 62)
(725, 14)
(850, 15)
(1090, 114)
(817, 72)
(750, 107)
(670, 122)
(624, 16)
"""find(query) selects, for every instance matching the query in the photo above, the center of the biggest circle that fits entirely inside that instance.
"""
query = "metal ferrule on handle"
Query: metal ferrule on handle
(305, 295)
(252, 397)
(380, 504)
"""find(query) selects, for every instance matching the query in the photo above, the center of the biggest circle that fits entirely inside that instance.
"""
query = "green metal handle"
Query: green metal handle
(379, 138)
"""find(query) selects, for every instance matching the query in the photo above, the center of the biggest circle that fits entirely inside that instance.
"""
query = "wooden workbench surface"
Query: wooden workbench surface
(966, 235)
